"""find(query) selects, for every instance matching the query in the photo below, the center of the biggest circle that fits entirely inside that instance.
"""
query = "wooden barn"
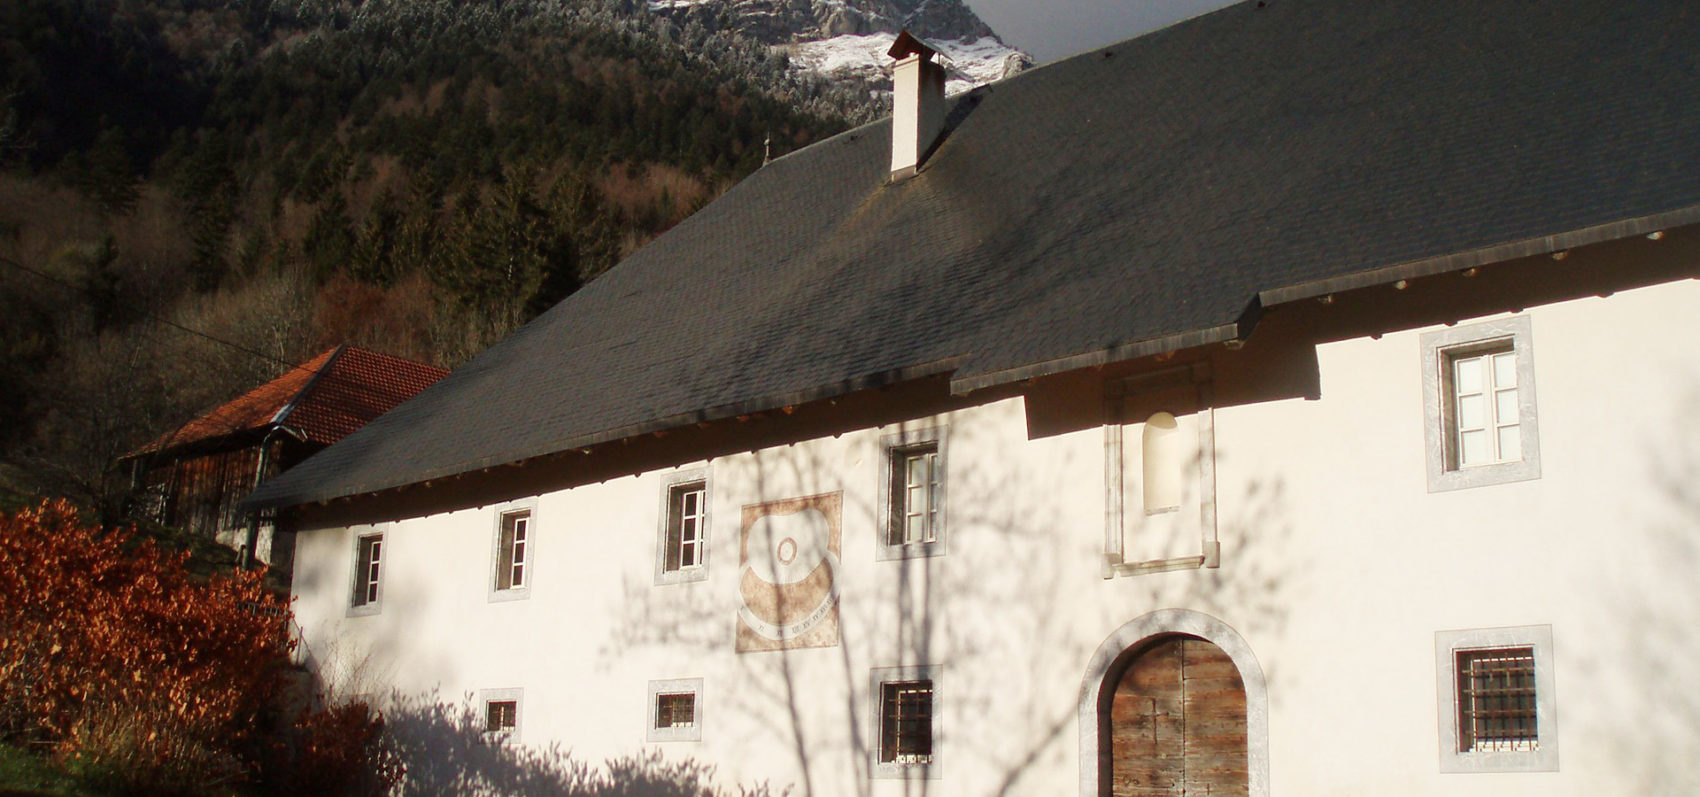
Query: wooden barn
(194, 477)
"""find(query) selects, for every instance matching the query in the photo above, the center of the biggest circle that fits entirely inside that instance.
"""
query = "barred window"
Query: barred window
(1496, 700)
(504, 714)
(906, 722)
(501, 715)
(676, 710)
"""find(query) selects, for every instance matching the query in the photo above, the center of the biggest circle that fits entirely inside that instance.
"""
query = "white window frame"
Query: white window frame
(674, 483)
(366, 589)
(497, 594)
(1447, 646)
(516, 695)
(1440, 350)
(877, 679)
(895, 449)
(676, 686)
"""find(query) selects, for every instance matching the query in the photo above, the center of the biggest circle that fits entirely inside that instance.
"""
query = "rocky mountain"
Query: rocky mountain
(848, 39)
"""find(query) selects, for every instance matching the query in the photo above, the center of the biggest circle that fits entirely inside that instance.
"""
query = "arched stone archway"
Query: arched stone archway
(1162, 633)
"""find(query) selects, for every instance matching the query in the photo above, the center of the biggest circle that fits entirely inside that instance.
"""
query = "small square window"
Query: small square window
(683, 538)
(913, 494)
(368, 574)
(1479, 401)
(1498, 709)
(675, 710)
(906, 721)
(503, 714)
(1496, 701)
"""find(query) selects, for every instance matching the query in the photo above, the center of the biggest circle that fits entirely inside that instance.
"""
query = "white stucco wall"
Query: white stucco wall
(1338, 567)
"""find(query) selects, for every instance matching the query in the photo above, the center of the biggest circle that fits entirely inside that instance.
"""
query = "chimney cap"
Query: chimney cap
(908, 44)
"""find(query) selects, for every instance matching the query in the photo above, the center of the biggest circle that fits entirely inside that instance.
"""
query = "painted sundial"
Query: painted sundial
(788, 579)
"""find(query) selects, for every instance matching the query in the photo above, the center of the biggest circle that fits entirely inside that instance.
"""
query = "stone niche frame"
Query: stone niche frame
(1180, 390)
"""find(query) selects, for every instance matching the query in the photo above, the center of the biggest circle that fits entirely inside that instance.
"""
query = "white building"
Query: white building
(1298, 400)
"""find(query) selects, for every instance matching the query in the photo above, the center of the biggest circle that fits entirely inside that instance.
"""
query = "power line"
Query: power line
(324, 372)
(155, 317)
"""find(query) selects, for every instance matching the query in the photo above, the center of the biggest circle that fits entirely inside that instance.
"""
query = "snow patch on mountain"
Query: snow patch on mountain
(847, 39)
(968, 63)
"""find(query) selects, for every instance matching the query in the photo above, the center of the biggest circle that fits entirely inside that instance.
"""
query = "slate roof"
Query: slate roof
(320, 401)
(1140, 198)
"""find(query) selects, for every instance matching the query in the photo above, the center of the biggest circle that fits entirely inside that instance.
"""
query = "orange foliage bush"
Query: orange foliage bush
(134, 671)
(337, 749)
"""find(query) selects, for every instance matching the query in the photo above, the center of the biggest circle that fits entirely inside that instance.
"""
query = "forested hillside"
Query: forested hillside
(416, 176)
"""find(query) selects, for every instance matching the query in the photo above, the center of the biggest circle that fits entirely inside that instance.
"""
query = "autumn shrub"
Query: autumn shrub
(141, 677)
(146, 750)
(332, 750)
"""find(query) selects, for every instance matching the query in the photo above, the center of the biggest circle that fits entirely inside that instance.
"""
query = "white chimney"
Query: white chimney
(917, 100)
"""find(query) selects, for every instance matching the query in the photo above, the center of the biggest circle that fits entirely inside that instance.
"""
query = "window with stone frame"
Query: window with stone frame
(675, 710)
(1479, 405)
(513, 544)
(1498, 704)
(912, 493)
(682, 539)
(905, 731)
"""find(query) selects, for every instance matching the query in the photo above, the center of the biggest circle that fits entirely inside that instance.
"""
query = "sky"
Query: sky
(1053, 29)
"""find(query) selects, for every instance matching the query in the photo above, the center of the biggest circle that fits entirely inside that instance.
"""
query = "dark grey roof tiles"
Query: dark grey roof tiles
(1145, 195)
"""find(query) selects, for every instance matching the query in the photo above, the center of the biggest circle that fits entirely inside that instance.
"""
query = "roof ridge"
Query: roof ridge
(312, 382)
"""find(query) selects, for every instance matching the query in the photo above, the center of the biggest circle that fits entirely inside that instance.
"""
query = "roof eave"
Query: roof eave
(709, 415)
(1498, 253)
(1224, 333)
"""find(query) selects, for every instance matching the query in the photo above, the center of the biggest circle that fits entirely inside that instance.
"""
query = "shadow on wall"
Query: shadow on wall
(1261, 575)
(1013, 611)
(1639, 656)
(446, 751)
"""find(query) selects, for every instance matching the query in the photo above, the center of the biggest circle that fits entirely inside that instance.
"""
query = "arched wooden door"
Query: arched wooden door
(1177, 722)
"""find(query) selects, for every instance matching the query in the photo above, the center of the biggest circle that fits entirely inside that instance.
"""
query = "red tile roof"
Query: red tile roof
(321, 400)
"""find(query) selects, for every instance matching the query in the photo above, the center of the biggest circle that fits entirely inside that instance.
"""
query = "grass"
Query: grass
(13, 490)
(23, 774)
